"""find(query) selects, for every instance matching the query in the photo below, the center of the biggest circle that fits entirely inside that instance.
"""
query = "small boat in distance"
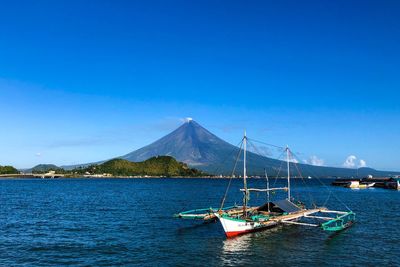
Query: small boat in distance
(359, 185)
(368, 182)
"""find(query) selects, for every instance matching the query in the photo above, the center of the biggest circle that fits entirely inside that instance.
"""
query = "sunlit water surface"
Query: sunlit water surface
(108, 222)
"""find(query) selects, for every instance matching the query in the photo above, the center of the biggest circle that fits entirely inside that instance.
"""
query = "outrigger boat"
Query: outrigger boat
(238, 220)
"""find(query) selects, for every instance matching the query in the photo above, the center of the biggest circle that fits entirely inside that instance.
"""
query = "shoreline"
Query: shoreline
(105, 177)
(138, 177)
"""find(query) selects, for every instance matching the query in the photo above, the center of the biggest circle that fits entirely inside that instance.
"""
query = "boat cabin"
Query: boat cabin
(279, 207)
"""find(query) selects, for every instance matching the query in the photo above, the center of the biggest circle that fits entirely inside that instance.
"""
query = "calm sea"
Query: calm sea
(109, 222)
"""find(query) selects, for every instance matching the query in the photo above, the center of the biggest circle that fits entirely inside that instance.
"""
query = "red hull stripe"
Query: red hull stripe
(236, 233)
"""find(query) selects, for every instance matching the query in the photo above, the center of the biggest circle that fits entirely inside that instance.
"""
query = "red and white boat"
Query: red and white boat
(259, 218)
(234, 227)
(278, 212)
(244, 219)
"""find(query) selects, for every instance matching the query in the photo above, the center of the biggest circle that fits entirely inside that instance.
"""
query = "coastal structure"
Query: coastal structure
(48, 175)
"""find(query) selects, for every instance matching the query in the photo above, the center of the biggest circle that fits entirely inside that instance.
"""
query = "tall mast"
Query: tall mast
(266, 176)
(244, 174)
(288, 171)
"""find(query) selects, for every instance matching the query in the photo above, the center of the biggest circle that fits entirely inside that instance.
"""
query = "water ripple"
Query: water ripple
(110, 222)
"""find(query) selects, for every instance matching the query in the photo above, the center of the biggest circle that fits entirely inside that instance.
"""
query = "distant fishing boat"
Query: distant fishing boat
(359, 185)
(244, 219)
(345, 182)
(368, 182)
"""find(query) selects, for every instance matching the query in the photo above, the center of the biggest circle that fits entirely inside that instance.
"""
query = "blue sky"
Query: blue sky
(82, 81)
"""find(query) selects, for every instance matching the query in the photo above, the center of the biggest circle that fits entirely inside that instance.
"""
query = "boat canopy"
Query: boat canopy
(286, 206)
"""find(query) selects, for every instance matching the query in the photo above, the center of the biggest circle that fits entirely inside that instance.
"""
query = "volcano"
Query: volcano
(193, 144)
(190, 143)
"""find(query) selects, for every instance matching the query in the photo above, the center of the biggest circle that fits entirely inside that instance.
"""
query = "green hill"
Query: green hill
(155, 166)
(8, 170)
(43, 168)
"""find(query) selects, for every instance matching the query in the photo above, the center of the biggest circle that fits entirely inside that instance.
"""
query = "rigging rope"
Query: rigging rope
(228, 156)
(294, 155)
(326, 187)
(267, 144)
(280, 167)
(302, 179)
(233, 172)
(279, 157)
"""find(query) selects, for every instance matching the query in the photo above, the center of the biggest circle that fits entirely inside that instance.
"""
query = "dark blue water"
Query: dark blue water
(108, 222)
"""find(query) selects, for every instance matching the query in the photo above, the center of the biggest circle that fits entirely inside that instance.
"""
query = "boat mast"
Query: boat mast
(266, 176)
(244, 174)
(288, 171)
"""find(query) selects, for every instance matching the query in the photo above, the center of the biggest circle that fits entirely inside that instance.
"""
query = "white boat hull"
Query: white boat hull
(234, 227)
(357, 184)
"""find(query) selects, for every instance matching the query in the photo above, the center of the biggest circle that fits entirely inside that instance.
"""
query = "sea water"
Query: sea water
(109, 222)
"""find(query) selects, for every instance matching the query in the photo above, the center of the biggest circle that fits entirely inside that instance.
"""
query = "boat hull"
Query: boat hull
(235, 227)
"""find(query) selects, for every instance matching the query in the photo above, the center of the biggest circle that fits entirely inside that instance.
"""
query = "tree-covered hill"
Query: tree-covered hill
(43, 168)
(155, 166)
(8, 170)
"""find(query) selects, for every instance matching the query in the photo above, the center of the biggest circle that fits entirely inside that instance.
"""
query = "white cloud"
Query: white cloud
(314, 160)
(350, 162)
(362, 163)
(38, 154)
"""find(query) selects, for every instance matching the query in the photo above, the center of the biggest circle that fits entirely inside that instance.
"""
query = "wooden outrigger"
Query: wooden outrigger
(342, 220)
(207, 214)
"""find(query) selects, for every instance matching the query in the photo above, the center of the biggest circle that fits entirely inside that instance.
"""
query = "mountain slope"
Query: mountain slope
(190, 143)
(196, 146)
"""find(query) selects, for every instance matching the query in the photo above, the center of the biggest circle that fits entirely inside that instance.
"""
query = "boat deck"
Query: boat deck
(297, 215)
